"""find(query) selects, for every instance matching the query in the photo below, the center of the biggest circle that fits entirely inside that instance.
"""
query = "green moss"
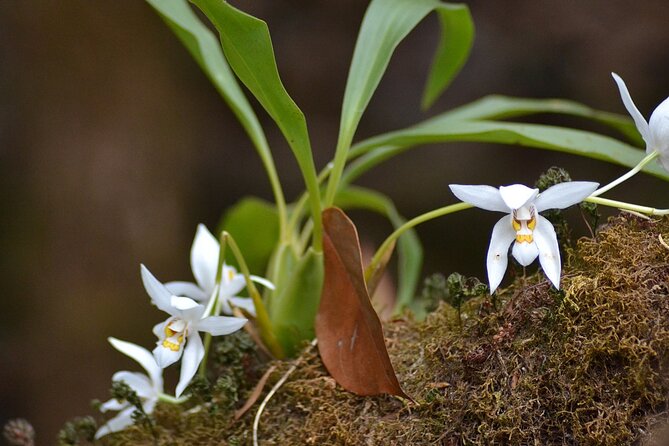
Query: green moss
(586, 365)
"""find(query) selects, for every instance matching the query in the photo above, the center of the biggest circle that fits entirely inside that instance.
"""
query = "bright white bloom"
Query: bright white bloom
(179, 335)
(531, 234)
(654, 132)
(204, 261)
(148, 388)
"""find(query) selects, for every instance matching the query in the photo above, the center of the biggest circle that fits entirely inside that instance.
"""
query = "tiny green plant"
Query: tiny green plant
(280, 246)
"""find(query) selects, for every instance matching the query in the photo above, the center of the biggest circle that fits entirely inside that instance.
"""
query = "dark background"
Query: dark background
(113, 146)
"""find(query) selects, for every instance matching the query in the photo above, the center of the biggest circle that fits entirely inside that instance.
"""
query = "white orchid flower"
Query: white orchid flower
(204, 261)
(654, 132)
(148, 387)
(531, 234)
(179, 335)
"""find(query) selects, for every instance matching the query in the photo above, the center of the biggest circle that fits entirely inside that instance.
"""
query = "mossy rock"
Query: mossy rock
(587, 365)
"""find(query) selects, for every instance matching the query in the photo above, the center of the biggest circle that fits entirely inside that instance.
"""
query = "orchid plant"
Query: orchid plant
(287, 247)
(283, 241)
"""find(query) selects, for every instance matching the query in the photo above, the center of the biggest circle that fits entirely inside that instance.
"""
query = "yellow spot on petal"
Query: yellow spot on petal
(524, 238)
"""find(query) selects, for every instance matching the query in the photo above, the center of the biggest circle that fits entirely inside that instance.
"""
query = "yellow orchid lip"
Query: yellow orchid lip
(173, 339)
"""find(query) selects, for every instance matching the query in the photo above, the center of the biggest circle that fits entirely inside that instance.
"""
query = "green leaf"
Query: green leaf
(293, 309)
(409, 248)
(248, 48)
(205, 49)
(254, 224)
(496, 107)
(577, 142)
(385, 25)
(457, 37)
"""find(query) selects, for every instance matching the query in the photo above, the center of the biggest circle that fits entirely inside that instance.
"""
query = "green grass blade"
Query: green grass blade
(248, 49)
(385, 25)
(577, 142)
(496, 107)
(205, 49)
(457, 37)
(409, 248)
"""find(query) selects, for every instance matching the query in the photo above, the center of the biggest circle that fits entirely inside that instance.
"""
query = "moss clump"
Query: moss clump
(584, 366)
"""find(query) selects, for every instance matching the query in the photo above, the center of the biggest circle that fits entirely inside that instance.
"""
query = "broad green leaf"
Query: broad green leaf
(254, 224)
(205, 49)
(457, 37)
(577, 142)
(496, 107)
(293, 309)
(248, 49)
(409, 249)
(385, 25)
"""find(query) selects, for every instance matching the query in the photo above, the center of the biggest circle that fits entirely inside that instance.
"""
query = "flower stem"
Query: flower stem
(390, 241)
(262, 317)
(171, 399)
(636, 169)
(627, 206)
(214, 305)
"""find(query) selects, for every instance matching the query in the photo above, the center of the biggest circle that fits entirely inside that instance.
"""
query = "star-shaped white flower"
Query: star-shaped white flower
(531, 234)
(654, 132)
(179, 335)
(204, 261)
(148, 387)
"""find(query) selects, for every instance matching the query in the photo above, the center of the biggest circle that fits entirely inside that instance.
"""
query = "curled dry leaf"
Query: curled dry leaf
(350, 337)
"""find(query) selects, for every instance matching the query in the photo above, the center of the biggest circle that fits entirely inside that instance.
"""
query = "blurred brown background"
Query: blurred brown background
(113, 146)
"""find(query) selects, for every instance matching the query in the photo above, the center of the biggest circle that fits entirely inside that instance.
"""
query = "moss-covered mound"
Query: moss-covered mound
(588, 365)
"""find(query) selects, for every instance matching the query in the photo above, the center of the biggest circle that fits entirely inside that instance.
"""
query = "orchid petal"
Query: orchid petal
(245, 303)
(525, 253)
(262, 281)
(516, 196)
(563, 195)
(220, 325)
(659, 131)
(549, 250)
(113, 405)
(204, 258)
(149, 405)
(183, 303)
(138, 382)
(634, 112)
(498, 252)
(116, 424)
(165, 356)
(193, 354)
(230, 288)
(160, 296)
(188, 289)
(159, 329)
(483, 197)
(141, 355)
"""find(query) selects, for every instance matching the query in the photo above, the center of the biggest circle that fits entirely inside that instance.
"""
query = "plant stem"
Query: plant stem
(302, 201)
(341, 155)
(262, 317)
(636, 169)
(389, 242)
(170, 399)
(627, 206)
(214, 305)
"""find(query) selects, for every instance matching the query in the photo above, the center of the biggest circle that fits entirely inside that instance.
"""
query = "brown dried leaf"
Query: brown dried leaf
(350, 337)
